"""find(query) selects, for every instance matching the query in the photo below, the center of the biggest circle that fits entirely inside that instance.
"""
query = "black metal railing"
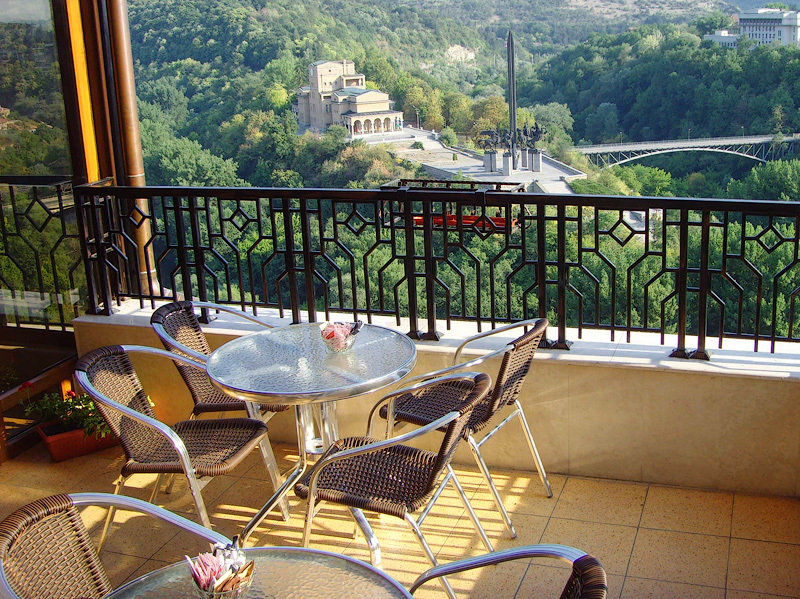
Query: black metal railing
(685, 267)
(42, 279)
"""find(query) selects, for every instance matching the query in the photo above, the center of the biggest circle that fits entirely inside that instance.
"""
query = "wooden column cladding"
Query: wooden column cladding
(94, 47)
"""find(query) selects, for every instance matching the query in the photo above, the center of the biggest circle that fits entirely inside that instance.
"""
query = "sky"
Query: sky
(24, 10)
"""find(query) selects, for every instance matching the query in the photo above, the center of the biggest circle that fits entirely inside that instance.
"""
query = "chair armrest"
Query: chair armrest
(522, 323)
(157, 425)
(563, 552)
(457, 367)
(234, 311)
(131, 503)
(428, 382)
(170, 341)
(146, 349)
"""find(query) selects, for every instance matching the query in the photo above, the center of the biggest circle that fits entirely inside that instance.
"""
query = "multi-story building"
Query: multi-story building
(337, 95)
(763, 26)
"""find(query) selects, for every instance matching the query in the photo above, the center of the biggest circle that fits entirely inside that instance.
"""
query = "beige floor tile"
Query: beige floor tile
(611, 544)
(639, 588)
(136, 534)
(464, 540)
(545, 581)
(679, 557)
(764, 567)
(120, 567)
(147, 566)
(688, 510)
(521, 492)
(611, 502)
(13, 497)
(492, 582)
(733, 594)
(766, 518)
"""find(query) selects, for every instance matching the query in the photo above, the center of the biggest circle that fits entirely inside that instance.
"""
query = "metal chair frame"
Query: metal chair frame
(252, 409)
(195, 482)
(375, 556)
(476, 444)
(561, 552)
(128, 503)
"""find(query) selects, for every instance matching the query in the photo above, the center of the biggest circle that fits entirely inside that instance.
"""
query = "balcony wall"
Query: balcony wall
(603, 409)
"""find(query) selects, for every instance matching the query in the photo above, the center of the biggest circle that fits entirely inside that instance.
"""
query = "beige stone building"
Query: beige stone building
(337, 95)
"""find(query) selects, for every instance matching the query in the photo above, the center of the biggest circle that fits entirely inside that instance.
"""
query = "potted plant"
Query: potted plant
(71, 425)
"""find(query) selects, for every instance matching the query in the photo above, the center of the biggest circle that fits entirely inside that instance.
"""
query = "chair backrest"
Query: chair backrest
(46, 553)
(588, 580)
(110, 371)
(515, 366)
(181, 323)
(470, 393)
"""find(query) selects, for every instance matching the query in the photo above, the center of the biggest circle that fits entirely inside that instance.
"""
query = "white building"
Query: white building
(723, 37)
(771, 26)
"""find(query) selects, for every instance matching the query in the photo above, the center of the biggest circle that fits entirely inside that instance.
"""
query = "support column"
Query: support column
(492, 161)
(524, 159)
(129, 124)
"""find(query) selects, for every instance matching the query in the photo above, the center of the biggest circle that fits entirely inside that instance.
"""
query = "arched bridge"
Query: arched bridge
(757, 147)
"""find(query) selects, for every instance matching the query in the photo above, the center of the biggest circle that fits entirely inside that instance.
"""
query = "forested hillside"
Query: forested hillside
(660, 82)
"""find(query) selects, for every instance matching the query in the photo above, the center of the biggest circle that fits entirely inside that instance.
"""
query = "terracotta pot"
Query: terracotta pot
(71, 444)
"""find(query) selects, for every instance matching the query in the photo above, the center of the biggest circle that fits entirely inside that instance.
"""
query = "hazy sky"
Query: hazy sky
(24, 10)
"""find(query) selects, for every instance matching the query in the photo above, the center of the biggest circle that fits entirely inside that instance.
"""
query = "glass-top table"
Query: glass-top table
(279, 573)
(291, 366)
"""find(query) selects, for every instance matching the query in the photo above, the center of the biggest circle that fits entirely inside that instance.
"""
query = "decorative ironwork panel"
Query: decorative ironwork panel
(42, 280)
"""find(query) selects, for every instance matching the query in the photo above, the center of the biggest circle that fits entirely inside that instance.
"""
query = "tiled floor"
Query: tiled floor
(654, 541)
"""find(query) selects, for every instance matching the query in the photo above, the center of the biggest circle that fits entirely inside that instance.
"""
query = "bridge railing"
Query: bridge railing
(696, 269)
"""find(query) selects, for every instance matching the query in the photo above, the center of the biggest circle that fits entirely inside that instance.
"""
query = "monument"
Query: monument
(513, 140)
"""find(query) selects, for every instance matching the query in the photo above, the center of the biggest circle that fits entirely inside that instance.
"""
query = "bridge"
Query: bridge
(761, 148)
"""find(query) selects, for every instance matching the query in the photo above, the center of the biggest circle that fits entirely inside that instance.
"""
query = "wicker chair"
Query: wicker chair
(587, 581)
(516, 362)
(195, 448)
(179, 330)
(392, 478)
(46, 553)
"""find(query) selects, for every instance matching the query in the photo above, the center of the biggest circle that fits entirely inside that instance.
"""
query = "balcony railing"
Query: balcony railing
(42, 280)
(688, 267)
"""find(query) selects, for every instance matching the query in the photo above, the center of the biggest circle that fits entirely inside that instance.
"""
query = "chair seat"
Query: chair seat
(424, 408)
(217, 401)
(215, 447)
(394, 481)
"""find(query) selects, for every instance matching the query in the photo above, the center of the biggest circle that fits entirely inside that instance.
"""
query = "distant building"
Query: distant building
(337, 95)
(723, 37)
(770, 26)
(763, 26)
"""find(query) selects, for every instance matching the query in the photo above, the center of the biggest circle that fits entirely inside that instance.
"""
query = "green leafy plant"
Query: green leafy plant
(72, 412)
(417, 145)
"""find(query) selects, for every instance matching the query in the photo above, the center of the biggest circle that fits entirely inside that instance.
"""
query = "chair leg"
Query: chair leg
(170, 484)
(269, 462)
(472, 515)
(118, 484)
(197, 495)
(309, 519)
(534, 451)
(369, 535)
(154, 492)
(476, 452)
(431, 558)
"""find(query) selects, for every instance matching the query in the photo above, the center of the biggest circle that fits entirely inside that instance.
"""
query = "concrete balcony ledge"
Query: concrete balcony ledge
(605, 408)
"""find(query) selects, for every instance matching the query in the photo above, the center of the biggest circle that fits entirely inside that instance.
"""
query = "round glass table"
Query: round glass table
(291, 365)
(279, 573)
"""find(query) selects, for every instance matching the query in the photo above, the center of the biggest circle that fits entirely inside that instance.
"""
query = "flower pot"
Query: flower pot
(71, 444)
